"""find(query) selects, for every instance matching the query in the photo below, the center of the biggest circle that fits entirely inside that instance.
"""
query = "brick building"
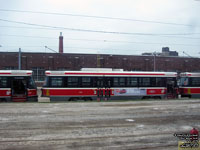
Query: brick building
(39, 62)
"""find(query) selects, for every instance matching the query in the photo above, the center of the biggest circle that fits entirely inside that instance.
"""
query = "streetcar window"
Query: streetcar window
(99, 82)
(144, 82)
(86, 81)
(132, 82)
(119, 82)
(122, 81)
(107, 82)
(56, 81)
(158, 82)
(72, 82)
(115, 82)
(195, 81)
(3, 82)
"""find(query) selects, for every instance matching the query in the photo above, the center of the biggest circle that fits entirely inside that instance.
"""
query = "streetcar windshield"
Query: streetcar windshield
(31, 83)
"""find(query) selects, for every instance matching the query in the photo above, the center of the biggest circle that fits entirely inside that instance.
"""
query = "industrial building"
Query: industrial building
(39, 62)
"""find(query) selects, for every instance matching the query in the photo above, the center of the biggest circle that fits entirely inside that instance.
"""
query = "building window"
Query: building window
(62, 69)
(38, 73)
(10, 68)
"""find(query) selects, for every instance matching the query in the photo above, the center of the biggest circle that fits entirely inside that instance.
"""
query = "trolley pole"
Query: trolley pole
(19, 59)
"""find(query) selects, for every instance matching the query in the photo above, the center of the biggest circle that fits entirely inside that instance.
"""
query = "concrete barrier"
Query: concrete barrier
(42, 99)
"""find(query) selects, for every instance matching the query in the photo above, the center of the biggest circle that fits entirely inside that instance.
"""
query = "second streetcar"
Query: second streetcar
(89, 84)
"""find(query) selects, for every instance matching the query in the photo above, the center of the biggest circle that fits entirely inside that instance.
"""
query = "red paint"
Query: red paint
(189, 90)
(5, 93)
(48, 73)
(19, 99)
(75, 92)
(105, 92)
(32, 92)
(4, 73)
(69, 92)
(91, 92)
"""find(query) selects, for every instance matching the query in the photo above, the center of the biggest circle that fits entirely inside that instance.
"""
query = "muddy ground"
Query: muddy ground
(130, 125)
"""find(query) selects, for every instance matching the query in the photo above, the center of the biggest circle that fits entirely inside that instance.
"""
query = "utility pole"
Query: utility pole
(98, 61)
(19, 59)
(154, 61)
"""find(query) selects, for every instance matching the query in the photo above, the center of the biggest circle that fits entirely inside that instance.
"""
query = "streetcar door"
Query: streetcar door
(100, 87)
(171, 84)
(108, 91)
(19, 89)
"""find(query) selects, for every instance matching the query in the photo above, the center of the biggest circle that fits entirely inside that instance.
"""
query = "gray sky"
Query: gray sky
(144, 26)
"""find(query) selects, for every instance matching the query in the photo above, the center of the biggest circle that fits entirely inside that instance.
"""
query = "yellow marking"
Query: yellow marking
(47, 92)
(189, 91)
(188, 145)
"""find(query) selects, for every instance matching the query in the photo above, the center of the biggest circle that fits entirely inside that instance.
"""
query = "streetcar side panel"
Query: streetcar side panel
(112, 87)
(190, 85)
(17, 86)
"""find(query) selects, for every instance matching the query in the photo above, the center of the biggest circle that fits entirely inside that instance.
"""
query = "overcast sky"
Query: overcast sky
(101, 26)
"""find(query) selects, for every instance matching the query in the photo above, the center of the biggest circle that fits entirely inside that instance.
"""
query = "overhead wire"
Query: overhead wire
(94, 31)
(97, 17)
(48, 27)
(105, 41)
(23, 27)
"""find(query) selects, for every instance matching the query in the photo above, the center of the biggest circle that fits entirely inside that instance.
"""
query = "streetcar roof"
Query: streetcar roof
(190, 74)
(15, 72)
(110, 73)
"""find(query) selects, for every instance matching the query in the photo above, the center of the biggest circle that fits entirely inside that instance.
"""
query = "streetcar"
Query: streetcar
(106, 83)
(189, 84)
(17, 86)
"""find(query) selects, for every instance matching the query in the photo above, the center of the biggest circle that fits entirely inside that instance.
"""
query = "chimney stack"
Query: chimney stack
(60, 43)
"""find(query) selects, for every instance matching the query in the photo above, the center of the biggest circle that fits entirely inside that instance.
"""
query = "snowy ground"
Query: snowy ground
(136, 125)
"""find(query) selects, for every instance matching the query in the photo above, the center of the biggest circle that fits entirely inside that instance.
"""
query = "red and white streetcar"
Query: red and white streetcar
(189, 84)
(17, 86)
(105, 83)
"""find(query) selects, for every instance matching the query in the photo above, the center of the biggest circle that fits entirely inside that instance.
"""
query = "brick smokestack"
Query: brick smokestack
(60, 43)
